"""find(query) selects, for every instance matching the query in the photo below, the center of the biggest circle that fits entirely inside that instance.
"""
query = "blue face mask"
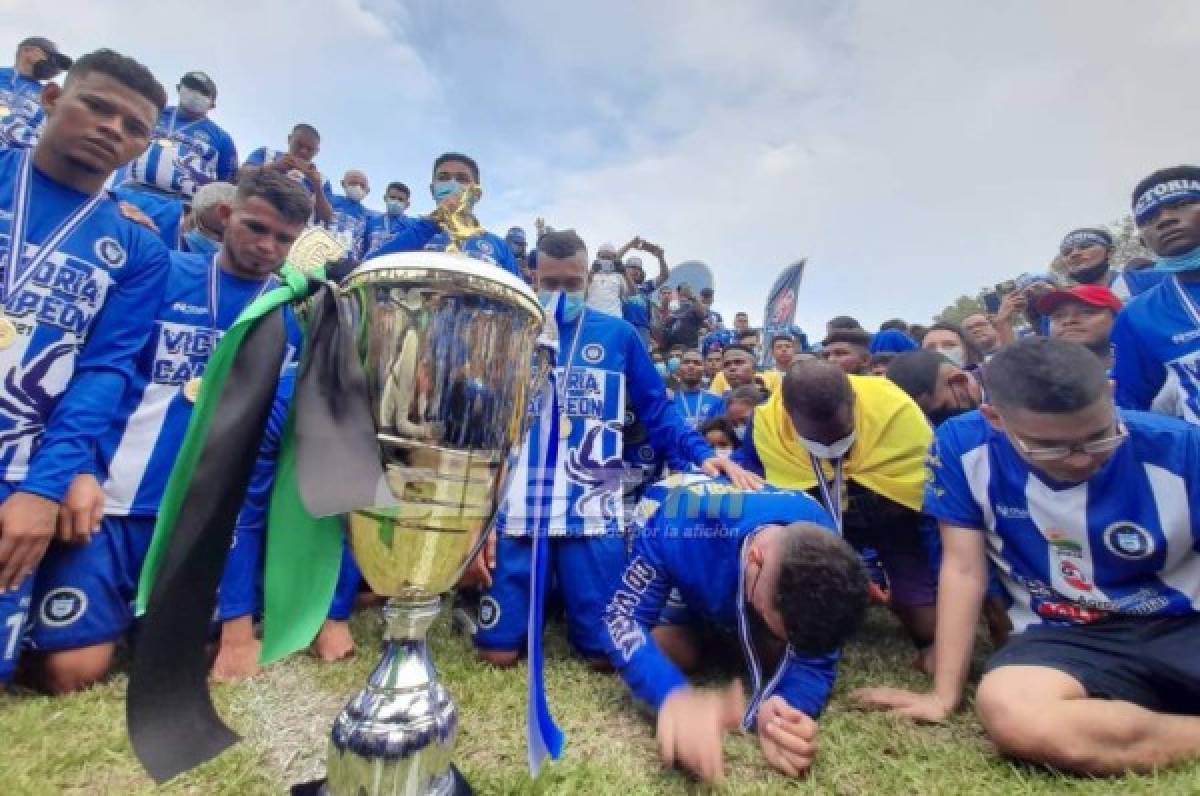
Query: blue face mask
(661, 367)
(570, 308)
(1189, 261)
(199, 243)
(673, 364)
(443, 189)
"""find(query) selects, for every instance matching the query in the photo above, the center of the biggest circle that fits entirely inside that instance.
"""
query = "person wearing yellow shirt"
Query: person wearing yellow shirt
(857, 444)
(737, 369)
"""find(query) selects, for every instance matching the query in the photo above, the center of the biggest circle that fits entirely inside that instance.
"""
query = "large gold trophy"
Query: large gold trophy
(448, 345)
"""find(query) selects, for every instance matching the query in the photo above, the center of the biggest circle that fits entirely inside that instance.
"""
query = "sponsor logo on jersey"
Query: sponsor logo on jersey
(63, 606)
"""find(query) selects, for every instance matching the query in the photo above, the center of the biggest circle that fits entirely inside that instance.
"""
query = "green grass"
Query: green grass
(77, 745)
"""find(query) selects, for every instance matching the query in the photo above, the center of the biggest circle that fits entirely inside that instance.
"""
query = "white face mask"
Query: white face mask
(724, 453)
(356, 193)
(834, 450)
(193, 101)
(955, 354)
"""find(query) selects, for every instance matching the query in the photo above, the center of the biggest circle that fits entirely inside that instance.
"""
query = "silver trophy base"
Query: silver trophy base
(396, 736)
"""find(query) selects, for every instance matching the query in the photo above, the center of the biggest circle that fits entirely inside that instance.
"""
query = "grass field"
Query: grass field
(77, 745)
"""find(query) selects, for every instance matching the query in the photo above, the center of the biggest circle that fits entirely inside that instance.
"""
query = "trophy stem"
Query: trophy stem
(396, 736)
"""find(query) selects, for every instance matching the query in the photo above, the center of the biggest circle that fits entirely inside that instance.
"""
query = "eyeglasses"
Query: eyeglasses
(1053, 453)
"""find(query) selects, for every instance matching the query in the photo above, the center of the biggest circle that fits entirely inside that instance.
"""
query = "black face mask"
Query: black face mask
(1090, 275)
(43, 70)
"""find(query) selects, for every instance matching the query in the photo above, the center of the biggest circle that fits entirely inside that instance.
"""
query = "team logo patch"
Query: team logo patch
(593, 353)
(111, 252)
(62, 607)
(646, 453)
(489, 612)
(1128, 541)
(485, 246)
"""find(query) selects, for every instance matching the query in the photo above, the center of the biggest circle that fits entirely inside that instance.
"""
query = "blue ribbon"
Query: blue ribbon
(544, 737)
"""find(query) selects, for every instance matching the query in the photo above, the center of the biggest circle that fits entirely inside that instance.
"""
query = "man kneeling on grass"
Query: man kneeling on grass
(1089, 515)
(765, 566)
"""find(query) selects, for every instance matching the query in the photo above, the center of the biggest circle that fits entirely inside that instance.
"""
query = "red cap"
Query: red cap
(1093, 295)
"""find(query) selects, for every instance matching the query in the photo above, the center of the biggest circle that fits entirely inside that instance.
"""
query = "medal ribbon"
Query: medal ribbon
(214, 294)
(833, 503)
(756, 685)
(1188, 304)
(15, 277)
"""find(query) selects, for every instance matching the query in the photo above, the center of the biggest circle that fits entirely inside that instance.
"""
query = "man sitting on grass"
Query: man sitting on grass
(1089, 516)
(766, 566)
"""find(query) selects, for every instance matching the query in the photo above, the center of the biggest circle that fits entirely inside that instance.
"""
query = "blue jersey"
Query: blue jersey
(21, 114)
(1124, 542)
(382, 227)
(698, 406)
(78, 318)
(138, 450)
(349, 225)
(263, 156)
(636, 308)
(1156, 342)
(165, 210)
(423, 234)
(595, 375)
(691, 536)
(186, 153)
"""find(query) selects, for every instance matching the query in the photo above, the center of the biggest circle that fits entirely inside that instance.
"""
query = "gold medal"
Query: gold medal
(191, 390)
(564, 427)
(8, 333)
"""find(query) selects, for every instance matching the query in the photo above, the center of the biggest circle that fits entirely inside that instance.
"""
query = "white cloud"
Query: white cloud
(912, 150)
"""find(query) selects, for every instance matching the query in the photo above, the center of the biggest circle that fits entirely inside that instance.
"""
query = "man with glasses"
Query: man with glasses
(765, 568)
(696, 404)
(1087, 514)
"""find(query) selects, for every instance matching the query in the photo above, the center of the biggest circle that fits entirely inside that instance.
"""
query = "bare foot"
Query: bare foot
(334, 642)
(237, 656)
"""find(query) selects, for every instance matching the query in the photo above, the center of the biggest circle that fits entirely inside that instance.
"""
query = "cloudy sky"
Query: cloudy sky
(913, 151)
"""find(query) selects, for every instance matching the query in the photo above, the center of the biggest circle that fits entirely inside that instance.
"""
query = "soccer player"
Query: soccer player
(88, 581)
(1088, 514)
(765, 568)
(602, 364)
(1156, 339)
(453, 173)
(81, 284)
(858, 443)
(21, 117)
(382, 227)
(303, 144)
(694, 403)
(189, 151)
(350, 216)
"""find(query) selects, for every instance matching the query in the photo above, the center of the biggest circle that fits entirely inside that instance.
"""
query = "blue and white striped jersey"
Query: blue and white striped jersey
(607, 363)
(186, 153)
(1123, 542)
(74, 317)
(138, 450)
(21, 114)
(1156, 343)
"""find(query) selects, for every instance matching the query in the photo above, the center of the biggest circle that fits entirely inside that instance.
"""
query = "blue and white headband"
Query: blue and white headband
(1164, 194)
(1082, 238)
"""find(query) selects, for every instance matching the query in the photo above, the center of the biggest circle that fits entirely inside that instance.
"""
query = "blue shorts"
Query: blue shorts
(84, 594)
(587, 570)
(14, 614)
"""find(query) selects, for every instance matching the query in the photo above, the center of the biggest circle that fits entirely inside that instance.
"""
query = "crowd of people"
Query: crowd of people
(1035, 466)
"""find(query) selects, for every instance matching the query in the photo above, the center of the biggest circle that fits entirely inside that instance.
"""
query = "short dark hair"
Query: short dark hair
(722, 424)
(775, 338)
(857, 337)
(1044, 374)
(748, 333)
(446, 157)
(305, 127)
(822, 591)
(843, 322)
(738, 347)
(123, 69)
(561, 244)
(895, 323)
(916, 372)
(747, 394)
(284, 194)
(816, 390)
(397, 186)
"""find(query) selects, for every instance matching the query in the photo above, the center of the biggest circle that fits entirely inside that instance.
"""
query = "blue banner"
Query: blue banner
(780, 312)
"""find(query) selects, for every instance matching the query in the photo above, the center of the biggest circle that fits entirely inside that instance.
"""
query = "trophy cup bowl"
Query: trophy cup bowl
(447, 346)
